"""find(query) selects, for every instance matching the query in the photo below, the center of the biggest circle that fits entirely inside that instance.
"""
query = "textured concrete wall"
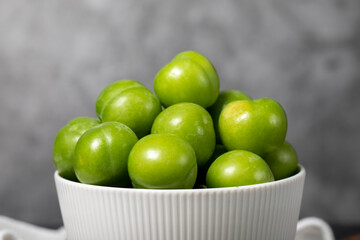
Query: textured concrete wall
(56, 56)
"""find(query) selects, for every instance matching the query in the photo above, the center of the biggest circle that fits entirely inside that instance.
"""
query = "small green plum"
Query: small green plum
(192, 123)
(189, 77)
(162, 161)
(225, 97)
(238, 168)
(128, 102)
(101, 155)
(258, 126)
(65, 142)
(283, 162)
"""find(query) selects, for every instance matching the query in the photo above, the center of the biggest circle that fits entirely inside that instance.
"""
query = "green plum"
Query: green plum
(192, 123)
(189, 77)
(283, 161)
(128, 102)
(225, 97)
(238, 168)
(101, 155)
(65, 142)
(162, 161)
(257, 126)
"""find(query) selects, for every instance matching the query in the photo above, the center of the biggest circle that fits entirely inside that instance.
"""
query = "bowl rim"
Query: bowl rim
(294, 178)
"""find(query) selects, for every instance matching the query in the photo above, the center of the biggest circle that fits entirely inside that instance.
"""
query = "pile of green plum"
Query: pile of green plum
(186, 135)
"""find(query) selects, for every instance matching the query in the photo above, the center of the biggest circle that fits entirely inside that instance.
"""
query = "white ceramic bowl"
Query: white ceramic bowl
(262, 211)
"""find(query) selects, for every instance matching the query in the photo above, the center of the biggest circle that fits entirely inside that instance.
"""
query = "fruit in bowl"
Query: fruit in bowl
(162, 161)
(238, 168)
(128, 102)
(189, 77)
(101, 155)
(258, 126)
(192, 123)
(106, 151)
(65, 143)
(137, 164)
(225, 97)
(283, 162)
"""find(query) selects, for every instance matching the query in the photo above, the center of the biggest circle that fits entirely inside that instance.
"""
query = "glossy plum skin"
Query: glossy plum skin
(257, 126)
(283, 162)
(238, 168)
(65, 142)
(225, 97)
(189, 77)
(128, 102)
(193, 124)
(101, 155)
(162, 161)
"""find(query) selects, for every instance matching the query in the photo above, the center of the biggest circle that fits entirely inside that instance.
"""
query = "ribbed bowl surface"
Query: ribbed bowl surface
(262, 211)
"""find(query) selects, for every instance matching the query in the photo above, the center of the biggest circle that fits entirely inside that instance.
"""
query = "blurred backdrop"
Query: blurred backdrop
(57, 55)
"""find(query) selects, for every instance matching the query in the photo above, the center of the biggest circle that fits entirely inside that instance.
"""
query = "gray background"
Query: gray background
(57, 55)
